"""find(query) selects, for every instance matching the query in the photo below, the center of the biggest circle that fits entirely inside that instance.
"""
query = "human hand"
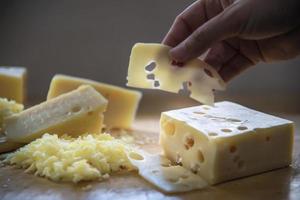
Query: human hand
(238, 33)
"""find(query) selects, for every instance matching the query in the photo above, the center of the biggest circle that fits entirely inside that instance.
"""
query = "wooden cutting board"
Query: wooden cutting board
(278, 184)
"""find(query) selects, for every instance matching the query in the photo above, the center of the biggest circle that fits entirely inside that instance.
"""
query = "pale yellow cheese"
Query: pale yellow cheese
(77, 112)
(150, 66)
(13, 83)
(158, 170)
(8, 108)
(88, 157)
(226, 141)
(122, 106)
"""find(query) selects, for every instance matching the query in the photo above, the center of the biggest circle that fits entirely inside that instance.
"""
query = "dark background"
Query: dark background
(93, 39)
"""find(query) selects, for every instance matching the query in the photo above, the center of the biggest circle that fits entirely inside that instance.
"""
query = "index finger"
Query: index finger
(185, 23)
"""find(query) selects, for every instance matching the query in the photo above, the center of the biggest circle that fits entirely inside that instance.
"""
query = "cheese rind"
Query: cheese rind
(123, 103)
(13, 83)
(226, 141)
(199, 78)
(77, 112)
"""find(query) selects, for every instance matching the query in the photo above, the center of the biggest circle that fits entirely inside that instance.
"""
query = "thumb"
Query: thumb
(226, 24)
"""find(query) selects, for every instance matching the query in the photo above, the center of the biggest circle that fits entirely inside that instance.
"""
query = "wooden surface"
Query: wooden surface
(278, 184)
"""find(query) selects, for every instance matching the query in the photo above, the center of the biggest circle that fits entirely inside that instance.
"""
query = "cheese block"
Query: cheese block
(13, 83)
(159, 171)
(226, 141)
(150, 66)
(77, 112)
(123, 103)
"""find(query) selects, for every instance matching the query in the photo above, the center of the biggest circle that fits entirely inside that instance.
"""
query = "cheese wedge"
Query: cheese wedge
(77, 112)
(13, 83)
(150, 66)
(226, 141)
(123, 103)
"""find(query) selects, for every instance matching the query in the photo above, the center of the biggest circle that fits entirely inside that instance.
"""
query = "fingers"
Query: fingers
(234, 67)
(281, 47)
(185, 23)
(225, 25)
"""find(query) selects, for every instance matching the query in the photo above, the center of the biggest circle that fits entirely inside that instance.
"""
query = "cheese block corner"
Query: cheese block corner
(123, 103)
(77, 112)
(226, 141)
(13, 83)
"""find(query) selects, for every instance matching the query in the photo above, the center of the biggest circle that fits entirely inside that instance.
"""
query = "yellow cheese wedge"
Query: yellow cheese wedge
(13, 83)
(77, 112)
(226, 141)
(122, 106)
(150, 66)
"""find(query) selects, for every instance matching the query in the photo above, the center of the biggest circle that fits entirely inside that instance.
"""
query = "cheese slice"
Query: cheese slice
(123, 103)
(150, 66)
(159, 171)
(226, 141)
(13, 83)
(77, 112)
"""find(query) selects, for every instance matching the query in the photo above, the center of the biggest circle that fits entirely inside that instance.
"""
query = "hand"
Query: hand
(238, 33)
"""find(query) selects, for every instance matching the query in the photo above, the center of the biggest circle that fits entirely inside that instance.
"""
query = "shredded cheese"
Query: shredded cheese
(8, 108)
(88, 157)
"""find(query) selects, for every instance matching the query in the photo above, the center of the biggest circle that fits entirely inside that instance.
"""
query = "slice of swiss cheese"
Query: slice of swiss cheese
(77, 112)
(157, 169)
(200, 78)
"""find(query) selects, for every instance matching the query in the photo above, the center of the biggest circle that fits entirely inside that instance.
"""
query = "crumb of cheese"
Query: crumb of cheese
(8, 108)
(88, 157)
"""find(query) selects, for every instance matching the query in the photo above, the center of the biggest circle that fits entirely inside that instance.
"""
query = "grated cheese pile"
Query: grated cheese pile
(8, 108)
(88, 157)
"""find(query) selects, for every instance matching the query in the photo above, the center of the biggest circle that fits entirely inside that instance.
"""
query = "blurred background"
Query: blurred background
(93, 39)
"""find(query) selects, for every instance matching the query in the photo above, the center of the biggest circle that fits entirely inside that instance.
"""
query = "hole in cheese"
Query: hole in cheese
(136, 156)
(150, 67)
(208, 72)
(226, 130)
(172, 180)
(189, 142)
(242, 128)
(199, 113)
(151, 77)
(156, 83)
(200, 156)
(76, 109)
(234, 120)
(169, 128)
(232, 149)
(185, 89)
(212, 134)
(155, 171)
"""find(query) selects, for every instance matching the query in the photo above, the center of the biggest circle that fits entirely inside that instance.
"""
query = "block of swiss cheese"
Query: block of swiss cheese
(226, 141)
